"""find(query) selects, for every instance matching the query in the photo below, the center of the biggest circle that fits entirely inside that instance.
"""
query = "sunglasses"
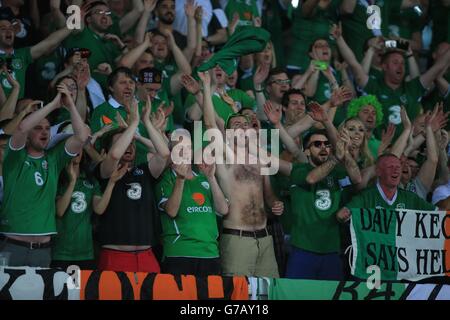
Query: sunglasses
(102, 13)
(319, 144)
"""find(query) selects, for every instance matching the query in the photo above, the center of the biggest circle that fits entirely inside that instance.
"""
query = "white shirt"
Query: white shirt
(180, 23)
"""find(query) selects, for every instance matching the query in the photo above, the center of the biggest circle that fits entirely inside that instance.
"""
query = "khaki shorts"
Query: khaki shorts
(247, 256)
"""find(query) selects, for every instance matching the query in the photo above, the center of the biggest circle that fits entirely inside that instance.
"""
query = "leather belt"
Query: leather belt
(26, 244)
(244, 233)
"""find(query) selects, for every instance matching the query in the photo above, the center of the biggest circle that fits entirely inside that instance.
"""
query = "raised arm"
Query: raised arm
(19, 136)
(198, 34)
(120, 146)
(130, 58)
(34, 14)
(49, 43)
(427, 171)
(190, 10)
(317, 113)
(158, 161)
(63, 202)
(352, 167)
(428, 77)
(274, 116)
(129, 20)
(172, 205)
(260, 76)
(360, 75)
(183, 65)
(81, 131)
(141, 28)
(402, 141)
(13, 124)
(208, 108)
(8, 109)
(99, 204)
(58, 17)
(413, 67)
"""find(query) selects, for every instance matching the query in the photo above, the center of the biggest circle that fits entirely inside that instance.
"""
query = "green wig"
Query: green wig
(355, 106)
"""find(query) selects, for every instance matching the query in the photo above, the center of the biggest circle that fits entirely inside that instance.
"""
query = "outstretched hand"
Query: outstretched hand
(317, 113)
(272, 112)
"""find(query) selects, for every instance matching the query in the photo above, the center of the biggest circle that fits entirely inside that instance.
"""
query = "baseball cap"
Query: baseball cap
(441, 193)
(150, 75)
(85, 53)
(7, 14)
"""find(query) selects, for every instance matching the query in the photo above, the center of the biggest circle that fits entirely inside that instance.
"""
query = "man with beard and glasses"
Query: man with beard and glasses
(318, 188)
(30, 173)
(106, 49)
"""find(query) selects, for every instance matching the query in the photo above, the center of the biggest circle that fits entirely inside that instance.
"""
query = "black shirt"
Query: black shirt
(131, 217)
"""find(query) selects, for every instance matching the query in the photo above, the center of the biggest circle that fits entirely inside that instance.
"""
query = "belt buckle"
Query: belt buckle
(34, 245)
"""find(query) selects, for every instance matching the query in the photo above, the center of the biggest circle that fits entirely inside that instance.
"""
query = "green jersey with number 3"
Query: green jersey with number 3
(408, 95)
(74, 239)
(30, 190)
(314, 208)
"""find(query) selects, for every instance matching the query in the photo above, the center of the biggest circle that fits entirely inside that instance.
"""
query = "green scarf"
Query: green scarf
(243, 42)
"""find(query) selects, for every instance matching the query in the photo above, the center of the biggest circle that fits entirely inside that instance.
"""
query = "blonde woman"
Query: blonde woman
(353, 132)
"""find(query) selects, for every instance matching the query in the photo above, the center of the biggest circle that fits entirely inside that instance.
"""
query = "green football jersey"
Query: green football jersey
(193, 232)
(74, 238)
(28, 206)
(20, 60)
(306, 30)
(168, 70)
(315, 227)
(408, 94)
(102, 51)
(354, 26)
(372, 198)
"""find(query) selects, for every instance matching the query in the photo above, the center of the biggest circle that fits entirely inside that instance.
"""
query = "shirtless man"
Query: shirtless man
(128, 228)
(246, 246)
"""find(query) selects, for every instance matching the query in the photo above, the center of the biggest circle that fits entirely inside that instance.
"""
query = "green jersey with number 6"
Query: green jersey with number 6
(30, 190)
(314, 208)
(193, 233)
(74, 239)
